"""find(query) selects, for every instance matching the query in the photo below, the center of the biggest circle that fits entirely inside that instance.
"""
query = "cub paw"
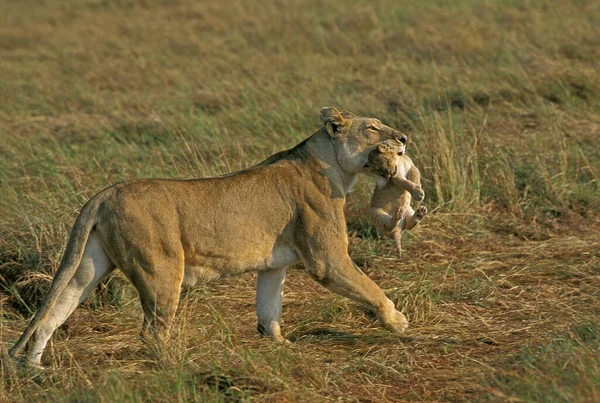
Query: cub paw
(400, 212)
(393, 222)
(421, 212)
(418, 194)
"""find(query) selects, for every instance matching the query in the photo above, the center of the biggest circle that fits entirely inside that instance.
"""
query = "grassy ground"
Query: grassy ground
(501, 102)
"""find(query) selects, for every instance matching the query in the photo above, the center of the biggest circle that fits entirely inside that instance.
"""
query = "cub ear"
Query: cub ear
(348, 115)
(333, 119)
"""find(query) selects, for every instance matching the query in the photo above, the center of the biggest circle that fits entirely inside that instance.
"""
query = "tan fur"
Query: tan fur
(164, 233)
(390, 209)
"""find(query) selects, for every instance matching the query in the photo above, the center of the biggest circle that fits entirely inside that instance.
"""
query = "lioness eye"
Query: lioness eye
(374, 128)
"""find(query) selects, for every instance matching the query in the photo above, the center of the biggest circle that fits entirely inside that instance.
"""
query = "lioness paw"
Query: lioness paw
(421, 212)
(398, 323)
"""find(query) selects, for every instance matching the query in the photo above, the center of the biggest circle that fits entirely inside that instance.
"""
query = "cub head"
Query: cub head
(383, 159)
(355, 137)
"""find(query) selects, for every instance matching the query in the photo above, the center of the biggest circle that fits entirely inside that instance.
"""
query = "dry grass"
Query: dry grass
(500, 101)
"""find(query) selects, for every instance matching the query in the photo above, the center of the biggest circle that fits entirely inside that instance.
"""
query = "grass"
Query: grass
(563, 369)
(500, 101)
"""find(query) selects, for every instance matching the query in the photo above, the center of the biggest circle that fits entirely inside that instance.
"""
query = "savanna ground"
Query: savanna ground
(501, 102)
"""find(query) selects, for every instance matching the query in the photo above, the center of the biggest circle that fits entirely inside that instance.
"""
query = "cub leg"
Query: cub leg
(269, 295)
(397, 235)
(384, 221)
(414, 176)
(413, 188)
(412, 218)
(94, 267)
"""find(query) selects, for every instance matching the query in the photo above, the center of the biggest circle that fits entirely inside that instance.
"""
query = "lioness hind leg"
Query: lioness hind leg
(269, 296)
(94, 267)
(159, 293)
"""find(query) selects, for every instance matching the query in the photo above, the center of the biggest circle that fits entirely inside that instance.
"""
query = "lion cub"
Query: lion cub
(390, 209)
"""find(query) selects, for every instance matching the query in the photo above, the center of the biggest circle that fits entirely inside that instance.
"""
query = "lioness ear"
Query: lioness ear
(333, 119)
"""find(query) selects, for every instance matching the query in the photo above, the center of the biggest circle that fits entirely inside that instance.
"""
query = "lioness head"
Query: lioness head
(382, 160)
(355, 137)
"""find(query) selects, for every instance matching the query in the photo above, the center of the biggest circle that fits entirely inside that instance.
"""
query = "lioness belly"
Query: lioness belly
(214, 268)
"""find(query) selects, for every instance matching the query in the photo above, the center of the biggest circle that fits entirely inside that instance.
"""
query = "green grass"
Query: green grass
(500, 100)
(565, 369)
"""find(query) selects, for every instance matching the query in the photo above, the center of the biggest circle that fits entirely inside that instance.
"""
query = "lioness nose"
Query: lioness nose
(401, 138)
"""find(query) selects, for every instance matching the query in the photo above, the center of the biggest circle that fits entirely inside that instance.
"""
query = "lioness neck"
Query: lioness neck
(320, 147)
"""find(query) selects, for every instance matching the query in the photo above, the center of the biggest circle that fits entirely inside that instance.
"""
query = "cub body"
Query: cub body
(390, 209)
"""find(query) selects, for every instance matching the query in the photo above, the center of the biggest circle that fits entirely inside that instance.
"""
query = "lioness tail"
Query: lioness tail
(68, 266)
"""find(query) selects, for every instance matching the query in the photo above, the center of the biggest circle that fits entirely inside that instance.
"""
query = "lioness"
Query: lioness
(164, 233)
(390, 209)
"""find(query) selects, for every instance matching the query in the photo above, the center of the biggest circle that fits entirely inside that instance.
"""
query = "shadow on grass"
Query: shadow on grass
(323, 334)
(335, 336)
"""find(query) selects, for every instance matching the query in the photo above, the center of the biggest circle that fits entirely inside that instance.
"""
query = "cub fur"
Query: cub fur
(390, 209)
(165, 233)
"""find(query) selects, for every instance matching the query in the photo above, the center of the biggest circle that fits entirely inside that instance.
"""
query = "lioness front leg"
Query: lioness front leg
(323, 248)
(345, 278)
(269, 296)
(336, 271)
